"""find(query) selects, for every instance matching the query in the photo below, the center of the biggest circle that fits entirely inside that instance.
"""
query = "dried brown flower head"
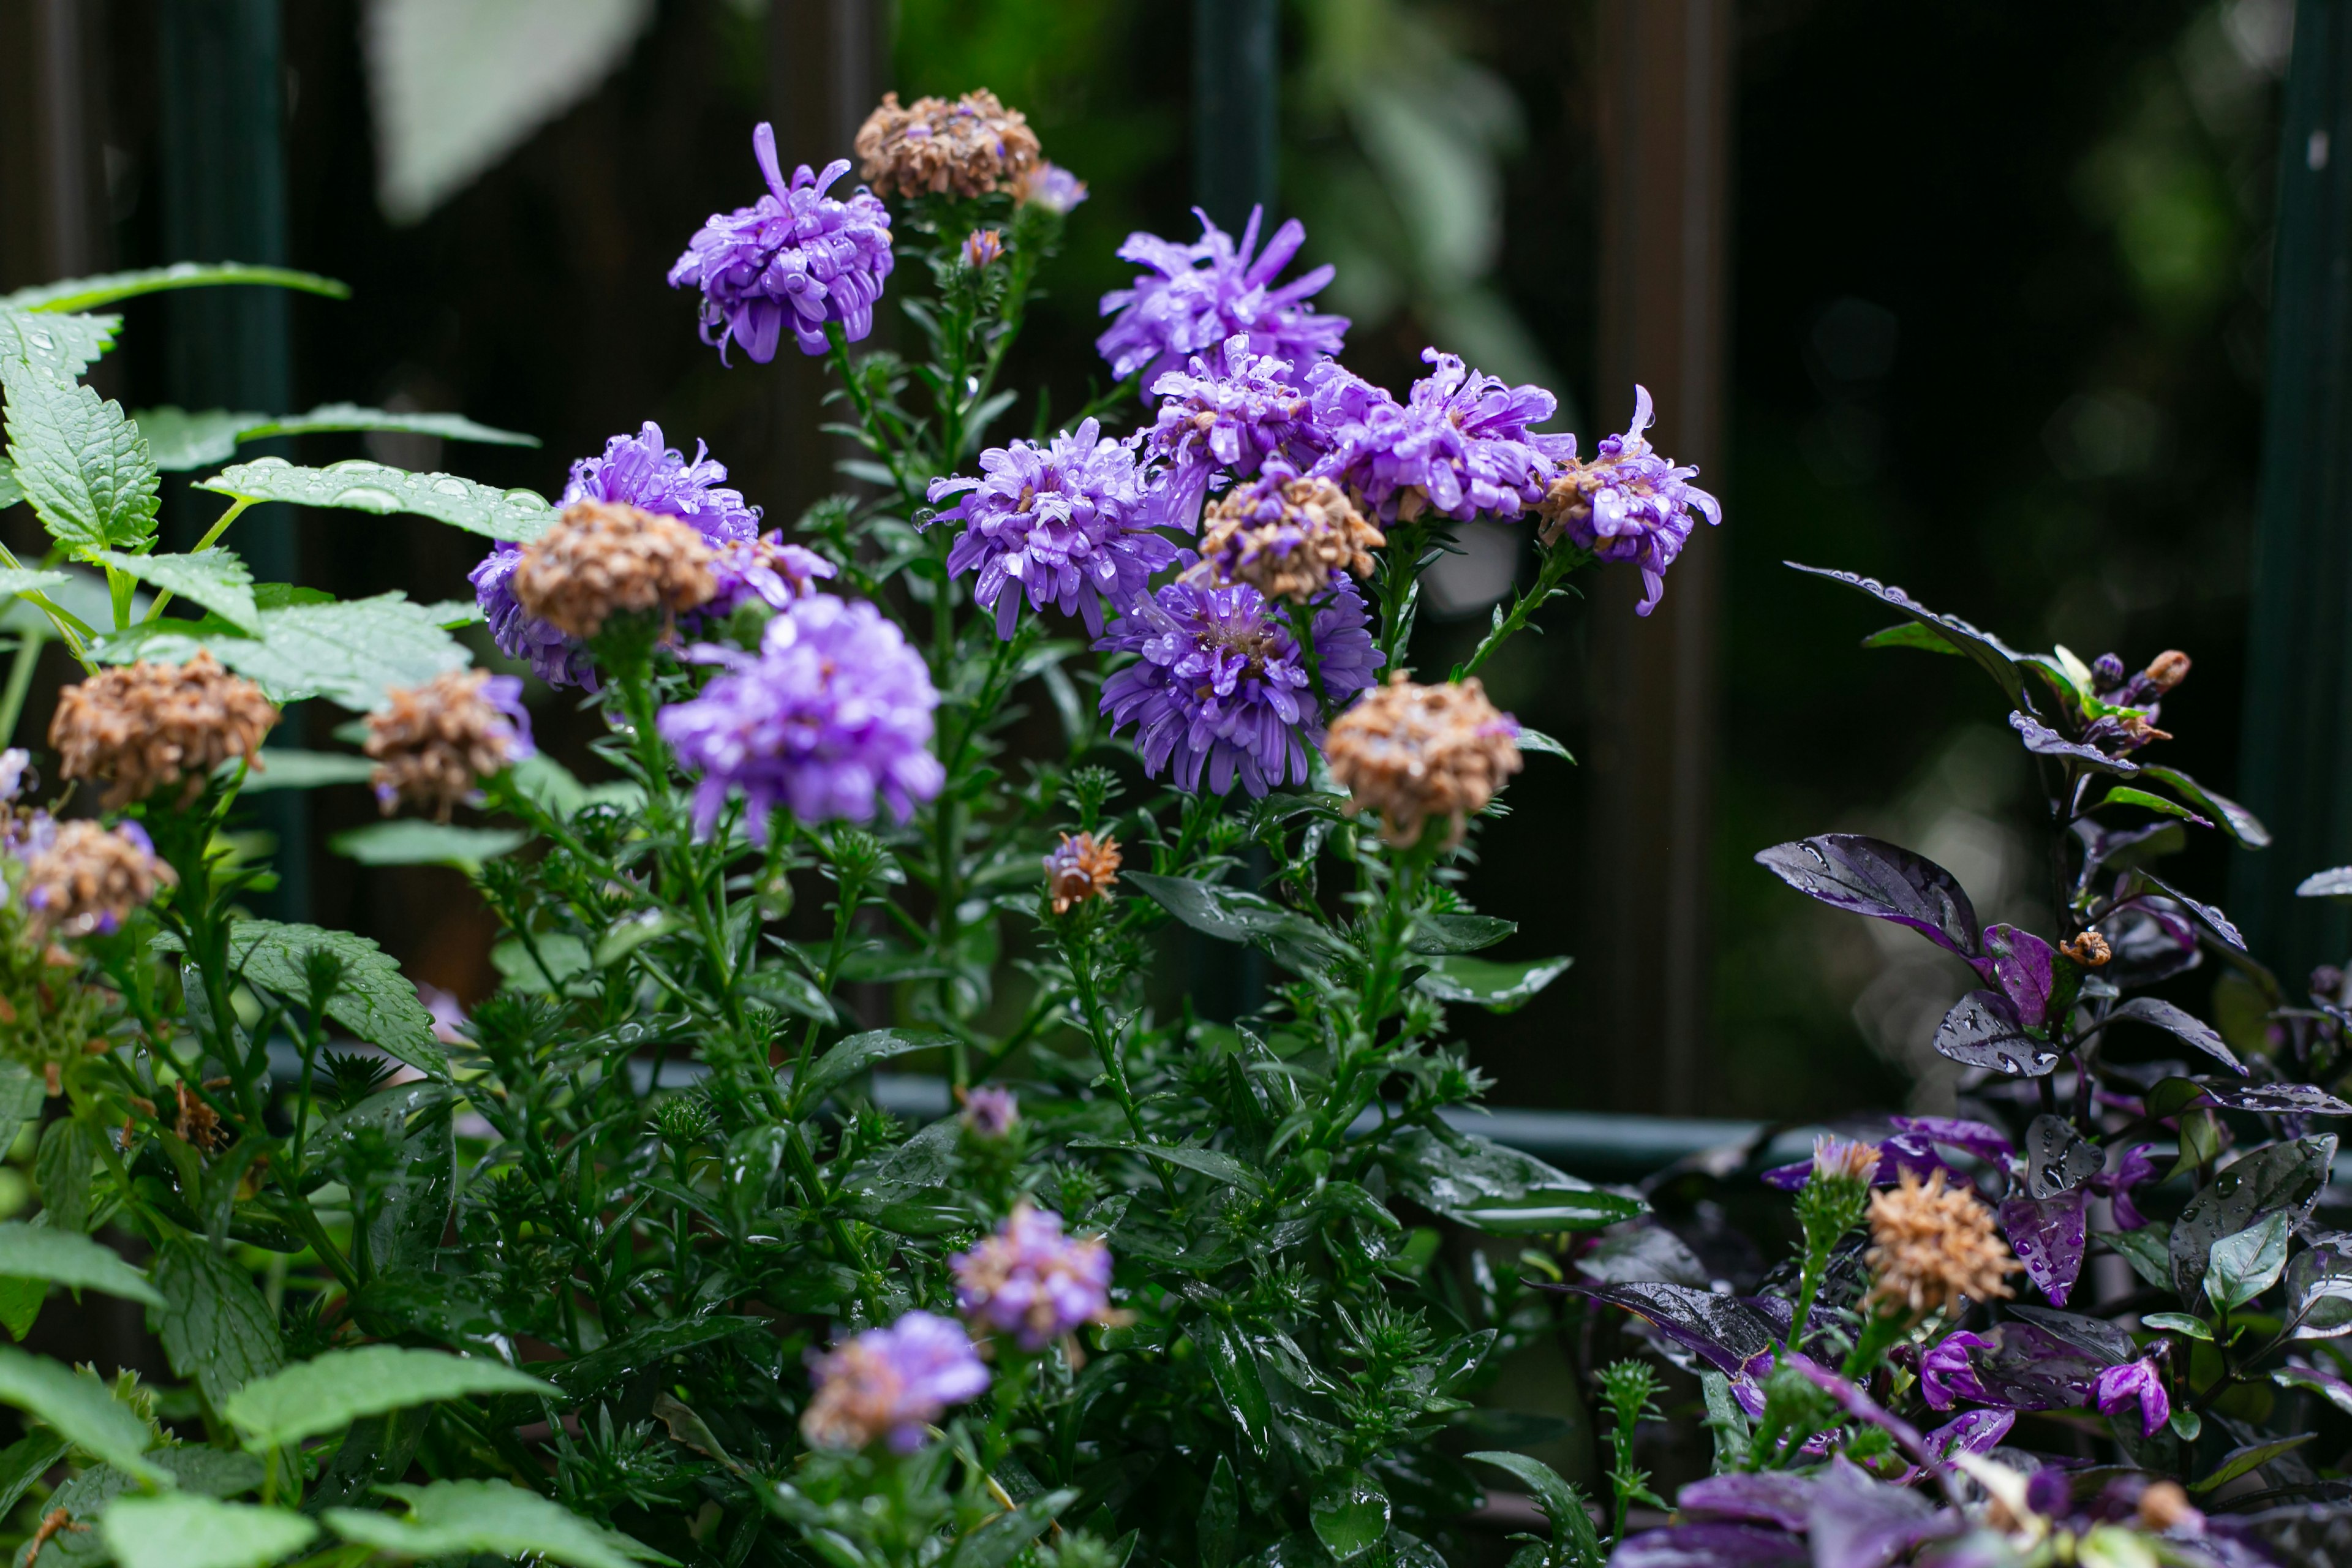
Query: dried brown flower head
(436, 742)
(86, 880)
(1417, 752)
(1931, 1245)
(602, 559)
(1286, 537)
(2167, 669)
(1080, 869)
(143, 727)
(2165, 1506)
(972, 147)
(2088, 949)
(198, 1123)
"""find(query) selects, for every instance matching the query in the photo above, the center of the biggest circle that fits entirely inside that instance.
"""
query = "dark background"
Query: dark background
(1996, 328)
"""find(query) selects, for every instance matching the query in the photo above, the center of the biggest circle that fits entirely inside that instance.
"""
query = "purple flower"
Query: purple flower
(990, 1113)
(555, 658)
(1221, 685)
(2120, 1385)
(2135, 1168)
(981, 247)
(1946, 1372)
(1230, 410)
(766, 569)
(1063, 521)
(1460, 445)
(1052, 187)
(891, 1384)
(14, 763)
(831, 714)
(796, 257)
(1198, 295)
(1033, 1282)
(1630, 504)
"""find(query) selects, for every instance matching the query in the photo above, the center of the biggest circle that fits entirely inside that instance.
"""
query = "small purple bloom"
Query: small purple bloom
(765, 569)
(795, 258)
(1052, 187)
(981, 247)
(1198, 295)
(1063, 522)
(14, 763)
(1946, 1372)
(832, 714)
(1461, 445)
(2120, 1385)
(1222, 685)
(890, 1384)
(1230, 410)
(990, 1113)
(2130, 1172)
(1033, 1282)
(1630, 504)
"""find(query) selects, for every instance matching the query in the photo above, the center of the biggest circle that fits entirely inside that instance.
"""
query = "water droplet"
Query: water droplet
(357, 466)
(268, 463)
(367, 497)
(528, 500)
(448, 485)
(40, 340)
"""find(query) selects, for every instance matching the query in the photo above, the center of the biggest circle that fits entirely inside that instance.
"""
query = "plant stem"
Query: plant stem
(212, 537)
(1558, 563)
(20, 680)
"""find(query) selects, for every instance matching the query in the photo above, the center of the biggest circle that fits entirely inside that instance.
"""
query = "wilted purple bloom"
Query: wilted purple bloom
(1222, 685)
(1052, 187)
(989, 1112)
(1198, 295)
(1461, 445)
(765, 569)
(14, 762)
(1946, 1372)
(1031, 1281)
(891, 1384)
(795, 258)
(2135, 1168)
(981, 247)
(833, 713)
(1063, 522)
(1229, 409)
(2120, 1385)
(1630, 504)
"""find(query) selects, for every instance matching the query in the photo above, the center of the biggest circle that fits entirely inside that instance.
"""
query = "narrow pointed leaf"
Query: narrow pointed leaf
(457, 1520)
(2236, 821)
(1869, 876)
(330, 417)
(2181, 1026)
(2335, 884)
(1989, 653)
(83, 293)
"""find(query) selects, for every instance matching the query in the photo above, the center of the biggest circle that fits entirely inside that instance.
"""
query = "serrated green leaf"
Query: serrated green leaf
(216, 1327)
(82, 1409)
(82, 293)
(350, 417)
(405, 841)
(331, 1391)
(284, 767)
(375, 1003)
(63, 1169)
(214, 578)
(22, 1094)
(1498, 986)
(64, 1258)
(24, 580)
(185, 1531)
(62, 345)
(517, 515)
(353, 652)
(83, 466)
(180, 440)
(453, 1519)
(10, 492)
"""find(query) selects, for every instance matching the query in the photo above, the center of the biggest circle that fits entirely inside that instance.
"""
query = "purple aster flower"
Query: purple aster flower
(833, 713)
(1230, 409)
(1052, 187)
(795, 258)
(1198, 295)
(1945, 1373)
(2135, 1381)
(1033, 1282)
(1460, 445)
(981, 247)
(1221, 685)
(1629, 504)
(1063, 522)
(990, 1113)
(15, 762)
(890, 1384)
(766, 569)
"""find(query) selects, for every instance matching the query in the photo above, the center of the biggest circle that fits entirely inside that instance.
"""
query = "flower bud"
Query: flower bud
(1081, 868)
(2107, 672)
(982, 246)
(2167, 669)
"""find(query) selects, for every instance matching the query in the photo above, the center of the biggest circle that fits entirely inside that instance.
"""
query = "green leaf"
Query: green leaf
(518, 516)
(1233, 1369)
(1477, 1182)
(284, 767)
(22, 1094)
(184, 1532)
(64, 1169)
(565, 955)
(10, 492)
(1500, 987)
(453, 1519)
(1350, 1515)
(1229, 914)
(62, 345)
(2180, 1323)
(1571, 1523)
(350, 417)
(2237, 822)
(1989, 653)
(83, 466)
(1212, 1162)
(2285, 1176)
(25, 1462)
(2246, 1460)
(81, 293)
(376, 1002)
(352, 652)
(82, 1409)
(2335, 1390)
(64, 1258)
(1911, 634)
(327, 1393)
(216, 1327)
(407, 841)
(214, 578)
(1221, 1517)
(1537, 741)
(1458, 933)
(21, 580)
(180, 440)
(999, 1539)
(2245, 1265)
(2124, 794)
(858, 1054)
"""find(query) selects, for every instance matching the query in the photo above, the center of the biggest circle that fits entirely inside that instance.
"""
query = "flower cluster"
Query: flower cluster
(1031, 1282)
(83, 880)
(765, 571)
(888, 1384)
(831, 716)
(433, 744)
(1422, 753)
(796, 259)
(1230, 410)
(1628, 503)
(1081, 866)
(1933, 1247)
(1461, 445)
(145, 727)
(1196, 296)
(972, 147)
(603, 558)
(1287, 535)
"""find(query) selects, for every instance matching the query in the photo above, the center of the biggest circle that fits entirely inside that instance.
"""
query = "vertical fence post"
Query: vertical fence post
(2298, 768)
(1234, 108)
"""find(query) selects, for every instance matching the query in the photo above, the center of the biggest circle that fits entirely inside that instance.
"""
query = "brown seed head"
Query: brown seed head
(1080, 869)
(1319, 532)
(602, 559)
(86, 879)
(436, 742)
(1932, 1245)
(2089, 949)
(2167, 669)
(1417, 752)
(143, 727)
(972, 147)
(2164, 1506)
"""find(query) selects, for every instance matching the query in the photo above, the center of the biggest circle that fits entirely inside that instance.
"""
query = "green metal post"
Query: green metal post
(1234, 99)
(2298, 738)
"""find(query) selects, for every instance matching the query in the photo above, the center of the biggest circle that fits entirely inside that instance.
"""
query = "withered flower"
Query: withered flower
(143, 727)
(1080, 869)
(1286, 534)
(198, 1123)
(1414, 753)
(2089, 949)
(1931, 1245)
(602, 559)
(2167, 669)
(85, 879)
(972, 147)
(436, 742)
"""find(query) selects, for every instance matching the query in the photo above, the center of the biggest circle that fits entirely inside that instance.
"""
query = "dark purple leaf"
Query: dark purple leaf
(2043, 741)
(1718, 1330)
(2286, 1176)
(1972, 1432)
(2095, 1337)
(2213, 920)
(2023, 1367)
(1982, 1030)
(1769, 1496)
(2181, 1026)
(2026, 969)
(2240, 823)
(1712, 1546)
(2279, 1099)
(1867, 877)
(2101, 844)
(1862, 1407)
(1641, 1251)
(1986, 1142)
(2058, 1157)
(2148, 942)
(1992, 654)
(1857, 1522)
(2049, 1235)
(2336, 884)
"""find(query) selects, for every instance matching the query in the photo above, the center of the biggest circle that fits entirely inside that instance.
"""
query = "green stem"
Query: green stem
(1558, 563)
(211, 538)
(20, 680)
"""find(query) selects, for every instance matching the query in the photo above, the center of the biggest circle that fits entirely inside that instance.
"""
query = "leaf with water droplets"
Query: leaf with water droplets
(351, 416)
(83, 466)
(2240, 824)
(1982, 1030)
(2215, 923)
(354, 652)
(1991, 654)
(2058, 1157)
(214, 578)
(2279, 1099)
(1886, 881)
(2049, 1236)
(2336, 884)
(2045, 741)
(2182, 1026)
(515, 516)
(81, 293)
(62, 345)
